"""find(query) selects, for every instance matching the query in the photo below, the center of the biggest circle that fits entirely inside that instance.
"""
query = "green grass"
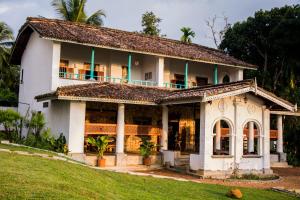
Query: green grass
(22, 148)
(30, 177)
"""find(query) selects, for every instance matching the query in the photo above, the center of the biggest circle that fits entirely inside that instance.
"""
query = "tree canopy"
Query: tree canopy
(150, 24)
(74, 10)
(9, 74)
(187, 34)
(271, 40)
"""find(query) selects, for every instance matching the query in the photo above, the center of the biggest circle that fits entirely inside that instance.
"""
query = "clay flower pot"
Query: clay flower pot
(101, 162)
(147, 161)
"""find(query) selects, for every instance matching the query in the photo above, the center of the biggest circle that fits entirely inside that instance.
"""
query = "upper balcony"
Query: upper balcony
(79, 64)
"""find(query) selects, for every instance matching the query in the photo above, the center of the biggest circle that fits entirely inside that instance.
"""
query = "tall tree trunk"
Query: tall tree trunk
(265, 68)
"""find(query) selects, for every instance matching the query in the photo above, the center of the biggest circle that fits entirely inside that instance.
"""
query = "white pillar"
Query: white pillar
(76, 127)
(120, 129)
(279, 136)
(165, 127)
(56, 50)
(160, 65)
(218, 135)
(266, 140)
(250, 137)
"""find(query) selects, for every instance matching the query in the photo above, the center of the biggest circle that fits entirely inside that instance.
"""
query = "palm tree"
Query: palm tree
(74, 10)
(9, 74)
(187, 34)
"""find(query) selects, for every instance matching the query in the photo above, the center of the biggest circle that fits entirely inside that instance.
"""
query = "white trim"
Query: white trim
(288, 113)
(275, 100)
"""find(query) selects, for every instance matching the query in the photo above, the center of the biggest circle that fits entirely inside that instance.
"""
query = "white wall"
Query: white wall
(36, 63)
(237, 112)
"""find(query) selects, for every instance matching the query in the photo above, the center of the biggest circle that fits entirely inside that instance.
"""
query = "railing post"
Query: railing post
(186, 75)
(215, 74)
(129, 68)
(92, 68)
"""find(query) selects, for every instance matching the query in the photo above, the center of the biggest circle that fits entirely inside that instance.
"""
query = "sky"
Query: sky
(126, 14)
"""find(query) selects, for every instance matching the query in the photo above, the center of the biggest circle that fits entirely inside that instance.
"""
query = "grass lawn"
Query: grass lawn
(30, 177)
(22, 148)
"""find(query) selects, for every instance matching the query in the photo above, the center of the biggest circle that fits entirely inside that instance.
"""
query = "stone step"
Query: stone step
(280, 164)
(182, 161)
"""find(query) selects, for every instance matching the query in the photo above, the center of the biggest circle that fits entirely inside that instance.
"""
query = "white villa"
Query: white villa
(190, 99)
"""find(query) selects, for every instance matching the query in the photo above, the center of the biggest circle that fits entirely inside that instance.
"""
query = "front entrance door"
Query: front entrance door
(173, 136)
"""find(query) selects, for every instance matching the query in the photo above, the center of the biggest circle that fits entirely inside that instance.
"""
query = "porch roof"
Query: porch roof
(79, 33)
(133, 94)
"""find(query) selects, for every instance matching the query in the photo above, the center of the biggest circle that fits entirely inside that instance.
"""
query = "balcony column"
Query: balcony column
(160, 71)
(250, 137)
(186, 80)
(218, 135)
(92, 67)
(129, 68)
(215, 76)
(165, 128)
(279, 134)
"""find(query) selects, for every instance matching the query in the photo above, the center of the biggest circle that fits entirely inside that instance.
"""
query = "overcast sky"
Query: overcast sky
(126, 14)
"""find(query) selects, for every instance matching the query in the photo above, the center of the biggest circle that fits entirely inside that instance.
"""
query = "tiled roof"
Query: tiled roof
(154, 95)
(106, 90)
(207, 90)
(121, 40)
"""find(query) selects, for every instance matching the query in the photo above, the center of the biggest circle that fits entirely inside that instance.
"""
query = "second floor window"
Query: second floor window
(63, 68)
(201, 81)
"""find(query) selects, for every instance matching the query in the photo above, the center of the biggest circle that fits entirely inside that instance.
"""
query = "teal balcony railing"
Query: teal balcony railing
(174, 85)
(110, 79)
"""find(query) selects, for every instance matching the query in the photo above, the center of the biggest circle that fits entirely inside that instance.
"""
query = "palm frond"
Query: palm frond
(61, 8)
(96, 18)
(6, 32)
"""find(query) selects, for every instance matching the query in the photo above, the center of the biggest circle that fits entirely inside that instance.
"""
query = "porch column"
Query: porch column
(279, 134)
(250, 137)
(75, 136)
(92, 67)
(186, 78)
(165, 127)
(120, 129)
(129, 68)
(218, 135)
(160, 71)
(215, 76)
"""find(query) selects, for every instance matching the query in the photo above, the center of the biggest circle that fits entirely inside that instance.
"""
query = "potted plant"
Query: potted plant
(101, 142)
(145, 150)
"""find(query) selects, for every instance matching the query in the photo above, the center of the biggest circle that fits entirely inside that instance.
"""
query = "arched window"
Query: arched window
(251, 137)
(226, 79)
(221, 138)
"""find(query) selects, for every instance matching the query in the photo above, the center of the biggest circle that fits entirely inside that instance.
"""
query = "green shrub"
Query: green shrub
(11, 119)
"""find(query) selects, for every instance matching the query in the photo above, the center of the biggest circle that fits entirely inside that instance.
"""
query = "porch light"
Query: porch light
(136, 63)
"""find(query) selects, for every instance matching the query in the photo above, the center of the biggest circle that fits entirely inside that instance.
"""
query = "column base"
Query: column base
(121, 160)
(282, 157)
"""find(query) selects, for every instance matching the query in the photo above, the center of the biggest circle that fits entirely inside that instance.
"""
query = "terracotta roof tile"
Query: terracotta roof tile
(118, 39)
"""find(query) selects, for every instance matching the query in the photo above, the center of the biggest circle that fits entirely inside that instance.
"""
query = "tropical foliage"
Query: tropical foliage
(270, 40)
(38, 135)
(146, 147)
(101, 143)
(187, 35)
(9, 74)
(74, 10)
(150, 24)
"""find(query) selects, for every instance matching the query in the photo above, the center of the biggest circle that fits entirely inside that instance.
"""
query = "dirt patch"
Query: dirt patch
(290, 179)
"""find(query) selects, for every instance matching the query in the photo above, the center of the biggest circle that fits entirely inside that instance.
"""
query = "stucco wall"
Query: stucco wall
(236, 111)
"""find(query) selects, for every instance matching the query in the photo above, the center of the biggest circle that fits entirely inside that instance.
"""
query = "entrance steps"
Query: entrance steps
(280, 165)
(183, 160)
